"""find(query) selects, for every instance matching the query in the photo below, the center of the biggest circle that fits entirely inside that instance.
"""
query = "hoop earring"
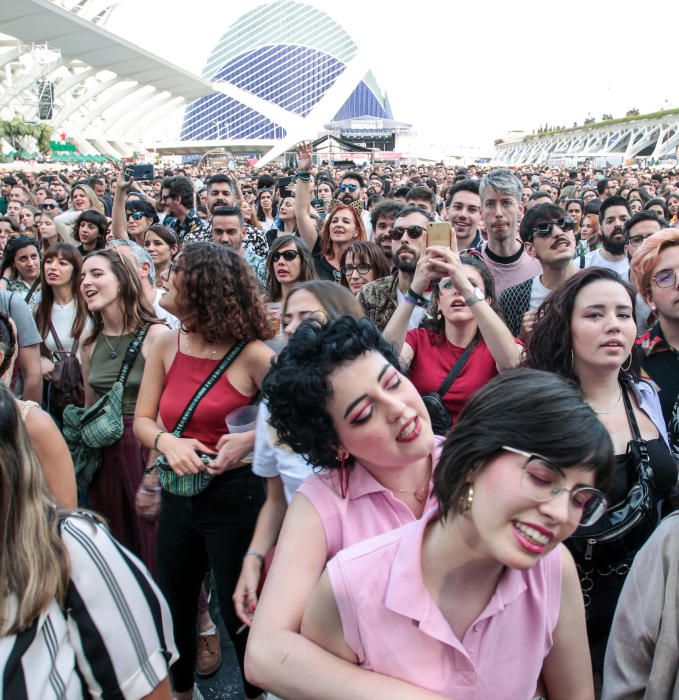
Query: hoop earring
(629, 364)
(467, 498)
(343, 474)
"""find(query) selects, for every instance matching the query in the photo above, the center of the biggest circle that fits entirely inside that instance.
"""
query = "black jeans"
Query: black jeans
(211, 529)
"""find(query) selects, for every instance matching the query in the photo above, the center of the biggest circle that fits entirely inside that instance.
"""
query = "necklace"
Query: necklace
(114, 350)
(211, 356)
(615, 405)
(422, 492)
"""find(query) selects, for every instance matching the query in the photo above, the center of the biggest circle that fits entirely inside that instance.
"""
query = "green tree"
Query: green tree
(16, 131)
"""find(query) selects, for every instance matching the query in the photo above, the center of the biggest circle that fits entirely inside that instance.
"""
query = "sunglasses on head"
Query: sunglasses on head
(348, 188)
(287, 255)
(414, 232)
(134, 215)
(565, 223)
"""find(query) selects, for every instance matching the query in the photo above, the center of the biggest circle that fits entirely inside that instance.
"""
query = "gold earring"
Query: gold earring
(467, 498)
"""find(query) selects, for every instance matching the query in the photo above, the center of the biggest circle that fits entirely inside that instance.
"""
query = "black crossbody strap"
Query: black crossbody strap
(131, 354)
(456, 368)
(206, 386)
(634, 426)
(33, 287)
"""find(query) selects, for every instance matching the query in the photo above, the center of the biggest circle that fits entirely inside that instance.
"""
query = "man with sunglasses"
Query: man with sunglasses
(613, 214)
(350, 188)
(50, 204)
(548, 236)
(409, 241)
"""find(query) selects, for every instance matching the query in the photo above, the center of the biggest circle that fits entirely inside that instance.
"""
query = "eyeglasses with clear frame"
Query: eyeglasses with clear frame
(665, 278)
(542, 482)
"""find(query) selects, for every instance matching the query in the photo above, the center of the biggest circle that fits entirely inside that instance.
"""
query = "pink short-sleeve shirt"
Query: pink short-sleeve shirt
(369, 508)
(392, 624)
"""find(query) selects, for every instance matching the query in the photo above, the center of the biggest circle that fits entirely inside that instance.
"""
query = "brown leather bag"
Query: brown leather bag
(67, 385)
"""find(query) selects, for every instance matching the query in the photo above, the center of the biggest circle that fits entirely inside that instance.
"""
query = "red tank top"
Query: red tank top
(208, 422)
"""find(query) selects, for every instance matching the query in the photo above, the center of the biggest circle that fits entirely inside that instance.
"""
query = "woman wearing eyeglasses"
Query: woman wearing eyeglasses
(341, 226)
(478, 598)
(655, 273)
(130, 218)
(288, 263)
(463, 323)
(362, 262)
(585, 331)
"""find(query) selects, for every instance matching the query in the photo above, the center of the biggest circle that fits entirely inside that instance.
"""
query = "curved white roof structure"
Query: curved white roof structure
(277, 75)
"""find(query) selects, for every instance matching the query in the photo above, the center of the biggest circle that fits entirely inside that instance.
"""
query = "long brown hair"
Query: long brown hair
(135, 309)
(34, 564)
(43, 312)
(327, 249)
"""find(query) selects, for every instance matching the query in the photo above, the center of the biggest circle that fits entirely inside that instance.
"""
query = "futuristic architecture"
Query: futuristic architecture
(293, 57)
(277, 75)
(620, 140)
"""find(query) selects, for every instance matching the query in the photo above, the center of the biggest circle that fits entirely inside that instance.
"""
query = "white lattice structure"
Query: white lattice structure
(650, 138)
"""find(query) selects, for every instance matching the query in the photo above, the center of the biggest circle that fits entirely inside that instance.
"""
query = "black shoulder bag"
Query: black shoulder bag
(626, 525)
(433, 401)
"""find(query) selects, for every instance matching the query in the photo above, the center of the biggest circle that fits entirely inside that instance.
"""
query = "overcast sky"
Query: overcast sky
(467, 72)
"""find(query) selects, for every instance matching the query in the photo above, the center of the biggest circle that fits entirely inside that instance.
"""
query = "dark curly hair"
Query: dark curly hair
(550, 346)
(435, 323)
(221, 299)
(8, 342)
(529, 410)
(298, 387)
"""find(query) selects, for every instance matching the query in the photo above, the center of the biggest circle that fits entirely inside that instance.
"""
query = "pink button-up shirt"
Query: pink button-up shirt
(369, 508)
(394, 627)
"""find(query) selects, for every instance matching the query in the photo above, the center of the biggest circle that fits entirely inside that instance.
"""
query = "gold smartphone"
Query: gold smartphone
(439, 233)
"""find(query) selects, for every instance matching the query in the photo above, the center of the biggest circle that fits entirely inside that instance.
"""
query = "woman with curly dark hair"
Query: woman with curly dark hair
(361, 262)
(464, 323)
(336, 396)
(586, 331)
(289, 261)
(216, 296)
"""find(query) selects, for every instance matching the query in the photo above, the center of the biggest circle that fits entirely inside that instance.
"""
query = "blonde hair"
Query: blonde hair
(94, 200)
(34, 564)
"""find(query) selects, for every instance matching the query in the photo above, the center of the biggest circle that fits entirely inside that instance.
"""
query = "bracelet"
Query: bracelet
(252, 553)
(410, 301)
(151, 489)
(304, 177)
(155, 442)
(416, 299)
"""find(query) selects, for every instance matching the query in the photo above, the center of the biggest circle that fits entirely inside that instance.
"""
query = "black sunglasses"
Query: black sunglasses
(566, 223)
(48, 206)
(134, 215)
(414, 232)
(287, 255)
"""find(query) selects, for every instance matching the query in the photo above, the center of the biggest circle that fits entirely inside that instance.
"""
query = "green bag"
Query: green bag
(193, 484)
(87, 430)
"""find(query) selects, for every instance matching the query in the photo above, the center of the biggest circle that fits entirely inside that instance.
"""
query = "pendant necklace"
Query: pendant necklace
(213, 352)
(114, 350)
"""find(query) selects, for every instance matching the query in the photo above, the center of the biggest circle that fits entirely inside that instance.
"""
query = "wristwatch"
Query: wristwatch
(476, 295)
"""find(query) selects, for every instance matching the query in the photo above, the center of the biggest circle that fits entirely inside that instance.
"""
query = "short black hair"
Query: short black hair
(219, 177)
(385, 207)
(644, 216)
(421, 193)
(298, 388)
(146, 208)
(462, 186)
(601, 186)
(412, 209)
(615, 201)
(530, 410)
(354, 176)
(538, 214)
(229, 211)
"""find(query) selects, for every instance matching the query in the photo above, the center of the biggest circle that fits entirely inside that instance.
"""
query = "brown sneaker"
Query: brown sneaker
(209, 654)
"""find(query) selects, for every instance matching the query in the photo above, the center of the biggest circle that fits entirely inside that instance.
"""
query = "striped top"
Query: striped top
(113, 640)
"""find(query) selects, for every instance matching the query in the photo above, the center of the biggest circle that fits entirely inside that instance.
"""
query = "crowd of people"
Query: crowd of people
(398, 466)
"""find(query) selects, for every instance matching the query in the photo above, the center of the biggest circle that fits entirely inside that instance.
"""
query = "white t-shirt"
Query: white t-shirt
(62, 320)
(271, 459)
(172, 321)
(594, 259)
(538, 293)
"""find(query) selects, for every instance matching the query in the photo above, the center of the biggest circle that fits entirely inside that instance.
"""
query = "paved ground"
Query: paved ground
(226, 683)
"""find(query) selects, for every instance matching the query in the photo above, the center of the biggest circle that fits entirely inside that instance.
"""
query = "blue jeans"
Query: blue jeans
(212, 529)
